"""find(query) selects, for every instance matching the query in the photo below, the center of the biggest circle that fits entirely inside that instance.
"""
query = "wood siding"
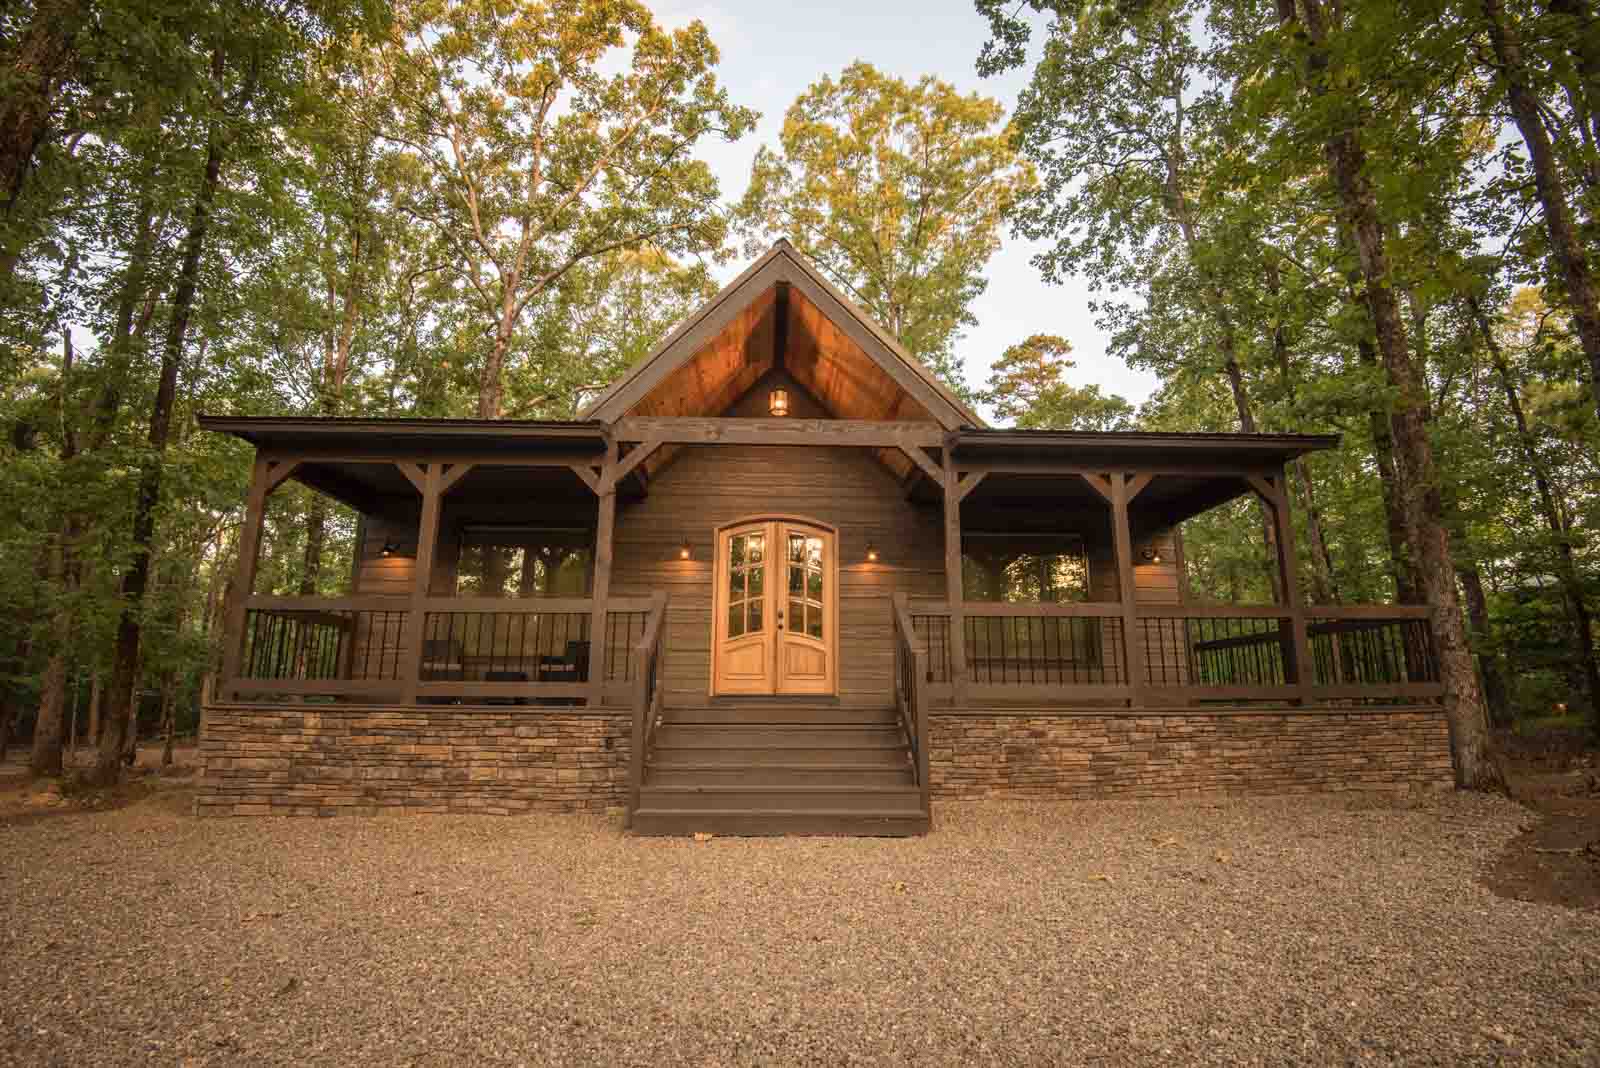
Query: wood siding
(707, 487)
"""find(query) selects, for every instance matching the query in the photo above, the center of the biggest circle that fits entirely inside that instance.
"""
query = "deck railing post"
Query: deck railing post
(421, 581)
(1298, 667)
(605, 523)
(1128, 589)
(266, 475)
(954, 590)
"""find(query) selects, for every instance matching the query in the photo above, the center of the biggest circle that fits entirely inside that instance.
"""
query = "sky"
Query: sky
(772, 52)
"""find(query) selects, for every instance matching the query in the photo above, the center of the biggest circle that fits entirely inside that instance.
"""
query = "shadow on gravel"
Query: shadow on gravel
(1556, 858)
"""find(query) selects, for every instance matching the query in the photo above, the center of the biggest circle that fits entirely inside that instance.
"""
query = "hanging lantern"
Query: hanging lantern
(778, 403)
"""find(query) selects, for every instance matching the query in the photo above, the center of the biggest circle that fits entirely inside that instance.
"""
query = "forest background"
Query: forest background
(1370, 218)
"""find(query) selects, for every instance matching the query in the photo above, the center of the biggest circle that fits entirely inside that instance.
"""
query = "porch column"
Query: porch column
(605, 523)
(954, 592)
(266, 475)
(1297, 663)
(422, 579)
(1132, 636)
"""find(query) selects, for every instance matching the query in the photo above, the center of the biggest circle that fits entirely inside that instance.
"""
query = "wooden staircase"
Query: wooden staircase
(779, 767)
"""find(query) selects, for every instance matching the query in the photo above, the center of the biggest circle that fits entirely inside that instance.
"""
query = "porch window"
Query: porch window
(1024, 568)
(525, 562)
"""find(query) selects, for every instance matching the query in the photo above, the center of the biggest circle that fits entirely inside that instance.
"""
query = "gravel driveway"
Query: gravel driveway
(1262, 931)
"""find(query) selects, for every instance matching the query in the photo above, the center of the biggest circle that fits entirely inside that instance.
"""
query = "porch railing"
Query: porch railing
(911, 677)
(648, 691)
(488, 650)
(1183, 653)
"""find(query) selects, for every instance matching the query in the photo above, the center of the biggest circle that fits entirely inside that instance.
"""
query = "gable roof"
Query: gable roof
(748, 324)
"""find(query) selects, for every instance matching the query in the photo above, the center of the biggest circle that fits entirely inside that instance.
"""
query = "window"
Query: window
(1024, 568)
(524, 562)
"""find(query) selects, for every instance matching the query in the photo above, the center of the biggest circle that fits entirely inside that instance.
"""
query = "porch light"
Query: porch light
(1151, 556)
(872, 553)
(390, 547)
(778, 403)
(683, 550)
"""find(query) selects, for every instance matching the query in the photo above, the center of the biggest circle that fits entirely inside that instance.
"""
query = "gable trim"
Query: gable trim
(782, 264)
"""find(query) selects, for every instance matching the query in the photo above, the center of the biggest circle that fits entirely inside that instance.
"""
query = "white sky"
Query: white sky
(772, 52)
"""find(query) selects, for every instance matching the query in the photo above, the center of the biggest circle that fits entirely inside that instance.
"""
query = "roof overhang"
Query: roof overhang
(408, 438)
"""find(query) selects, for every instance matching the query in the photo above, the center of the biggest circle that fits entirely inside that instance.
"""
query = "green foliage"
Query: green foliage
(897, 191)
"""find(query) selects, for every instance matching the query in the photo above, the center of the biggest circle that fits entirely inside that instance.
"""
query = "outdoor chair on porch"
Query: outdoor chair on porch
(505, 676)
(572, 666)
(441, 662)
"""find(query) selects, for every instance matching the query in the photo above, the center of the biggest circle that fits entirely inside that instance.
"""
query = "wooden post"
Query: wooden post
(1132, 637)
(1297, 662)
(954, 590)
(244, 574)
(605, 522)
(421, 580)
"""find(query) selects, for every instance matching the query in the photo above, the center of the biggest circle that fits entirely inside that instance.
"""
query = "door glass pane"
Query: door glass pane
(736, 550)
(814, 552)
(755, 616)
(755, 547)
(735, 583)
(814, 585)
(735, 619)
(797, 577)
(797, 547)
(758, 576)
(814, 622)
(797, 616)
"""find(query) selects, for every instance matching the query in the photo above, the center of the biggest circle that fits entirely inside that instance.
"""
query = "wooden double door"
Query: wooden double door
(776, 626)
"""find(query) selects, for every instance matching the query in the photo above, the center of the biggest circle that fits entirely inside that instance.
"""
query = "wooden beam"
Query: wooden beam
(606, 487)
(920, 457)
(1264, 486)
(1137, 484)
(1297, 662)
(584, 472)
(1098, 483)
(636, 456)
(427, 542)
(847, 433)
(952, 575)
(457, 472)
(245, 573)
(414, 474)
(968, 483)
(279, 471)
(1132, 636)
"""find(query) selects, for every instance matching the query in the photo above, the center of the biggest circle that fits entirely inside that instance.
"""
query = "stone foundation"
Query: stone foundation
(299, 760)
(1123, 754)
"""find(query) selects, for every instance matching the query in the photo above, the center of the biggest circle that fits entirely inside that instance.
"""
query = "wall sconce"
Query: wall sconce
(872, 553)
(390, 547)
(683, 550)
(778, 403)
(1150, 555)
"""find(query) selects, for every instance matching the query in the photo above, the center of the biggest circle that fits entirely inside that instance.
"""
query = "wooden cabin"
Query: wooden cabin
(779, 579)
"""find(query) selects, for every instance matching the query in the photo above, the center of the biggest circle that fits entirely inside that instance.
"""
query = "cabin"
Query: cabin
(779, 579)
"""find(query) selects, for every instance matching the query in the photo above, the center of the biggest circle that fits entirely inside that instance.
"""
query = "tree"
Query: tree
(897, 191)
(534, 160)
(1026, 387)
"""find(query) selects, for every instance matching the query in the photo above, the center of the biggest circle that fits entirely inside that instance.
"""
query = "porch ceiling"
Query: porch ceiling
(1023, 501)
(379, 488)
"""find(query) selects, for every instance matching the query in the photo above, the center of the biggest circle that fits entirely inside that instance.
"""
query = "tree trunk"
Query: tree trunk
(43, 57)
(169, 701)
(1475, 764)
(137, 576)
(316, 535)
(95, 695)
(1495, 694)
(1566, 567)
(46, 757)
(1565, 243)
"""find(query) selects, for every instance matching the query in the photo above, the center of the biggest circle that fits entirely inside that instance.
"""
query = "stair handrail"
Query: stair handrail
(648, 655)
(910, 693)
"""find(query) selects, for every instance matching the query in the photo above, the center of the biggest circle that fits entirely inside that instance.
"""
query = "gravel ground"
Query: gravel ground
(1262, 931)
